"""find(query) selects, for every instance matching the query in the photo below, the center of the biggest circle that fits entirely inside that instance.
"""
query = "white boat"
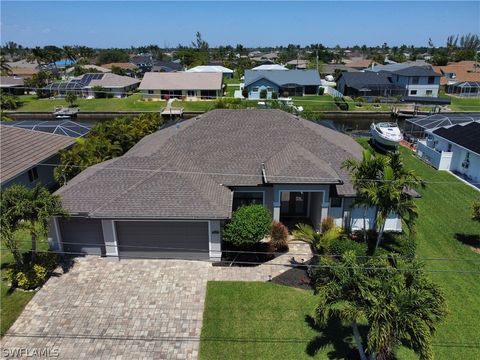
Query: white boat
(386, 134)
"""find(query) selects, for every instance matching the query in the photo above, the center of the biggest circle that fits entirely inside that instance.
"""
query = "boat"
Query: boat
(386, 134)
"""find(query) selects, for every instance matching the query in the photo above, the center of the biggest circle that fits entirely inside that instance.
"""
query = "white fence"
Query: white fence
(439, 160)
(331, 91)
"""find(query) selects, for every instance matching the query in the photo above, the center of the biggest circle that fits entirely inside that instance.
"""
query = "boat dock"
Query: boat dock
(170, 110)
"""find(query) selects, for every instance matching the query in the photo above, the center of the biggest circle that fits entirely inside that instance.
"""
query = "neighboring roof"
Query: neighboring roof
(439, 120)
(181, 81)
(417, 71)
(360, 64)
(368, 80)
(270, 67)
(299, 77)
(210, 69)
(185, 171)
(24, 71)
(330, 68)
(58, 127)
(126, 66)
(166, 66)
(397, 66)
(465, 135)
(21, 149)
(141, 59)
(298, 63)
(107, 80)
(460, 72)
(10, 81)
(23, 64)
(95, 67)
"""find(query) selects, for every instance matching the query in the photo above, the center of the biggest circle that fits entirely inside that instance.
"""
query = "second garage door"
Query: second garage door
(162, 239)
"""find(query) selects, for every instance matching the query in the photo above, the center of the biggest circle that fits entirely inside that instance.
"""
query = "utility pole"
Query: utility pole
(317, 58)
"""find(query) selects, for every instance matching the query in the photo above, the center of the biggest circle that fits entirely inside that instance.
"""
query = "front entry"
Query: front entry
(294, 204)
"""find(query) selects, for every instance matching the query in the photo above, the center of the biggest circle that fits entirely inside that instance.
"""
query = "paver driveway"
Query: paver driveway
(129, 309)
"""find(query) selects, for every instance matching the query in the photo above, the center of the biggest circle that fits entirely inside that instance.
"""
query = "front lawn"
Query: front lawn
(254, 320)
(465, 104)
(315, 102)
(13, 301)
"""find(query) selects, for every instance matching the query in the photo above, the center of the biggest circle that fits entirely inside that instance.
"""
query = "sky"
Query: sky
(267, 23)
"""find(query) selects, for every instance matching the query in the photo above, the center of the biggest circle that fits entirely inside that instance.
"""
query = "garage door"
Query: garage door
(82, 236)
(162, 239)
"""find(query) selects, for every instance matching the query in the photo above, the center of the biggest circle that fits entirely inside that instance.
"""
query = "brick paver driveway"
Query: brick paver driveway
(129, 309)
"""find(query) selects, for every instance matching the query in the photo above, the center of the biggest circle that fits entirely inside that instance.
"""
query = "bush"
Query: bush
(274, 95)
(327, 224)
(248, 226)
(71, 97)
(9, 101)
(99, 92)
(263, 94)
(279, 236)
(341, 245)
(321, 91)
(245, 93)
(341, 103)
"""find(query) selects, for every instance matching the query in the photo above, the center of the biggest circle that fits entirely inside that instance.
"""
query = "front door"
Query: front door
(293, 204)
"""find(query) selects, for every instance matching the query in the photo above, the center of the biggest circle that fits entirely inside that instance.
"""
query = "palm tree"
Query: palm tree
(319, 241)
(30, 209)
(5, 68)
(363, 172)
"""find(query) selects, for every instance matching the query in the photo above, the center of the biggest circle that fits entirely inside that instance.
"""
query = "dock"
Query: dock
(170, 110)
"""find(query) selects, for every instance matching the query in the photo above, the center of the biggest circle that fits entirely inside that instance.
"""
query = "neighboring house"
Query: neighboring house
(188, 85)
(368, 84)
(12, 84)
(297, 64)
(24, 72)
(360, 64)
(228, 73)
(166, 66)
(461, 78)
(29, 157)
(419, 126)
(455, 148)
(421, 81)
(331, 69)
(270, 67)
(124, 66)
(90, 67)
(143, 62)
(282, 83)
(84, 85)
(170, 195)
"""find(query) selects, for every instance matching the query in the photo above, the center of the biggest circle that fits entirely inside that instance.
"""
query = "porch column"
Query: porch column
(54, 235)
(110, 238)
(214, 240)
(325, 206)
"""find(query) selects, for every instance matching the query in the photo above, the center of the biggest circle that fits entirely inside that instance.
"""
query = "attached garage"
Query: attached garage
(163, 239)
(82, 236)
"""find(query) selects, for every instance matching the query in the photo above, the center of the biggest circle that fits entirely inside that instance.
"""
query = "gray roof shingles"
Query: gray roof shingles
(184, 172)
(300, 77)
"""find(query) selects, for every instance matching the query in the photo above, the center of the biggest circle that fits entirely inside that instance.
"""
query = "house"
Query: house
(455, 148)
(170, 195)
(367, 84)
(90, 67)
(143, 62)
(360, 64)
(228, 73)
(332, 69)
(270, 67)
(166, 66)
(127, 68)
(297, 64)
(188, 85)
(29, 157)
(421, 81)
(461, 78)
(85, 85)
(282, 83)
(23, 72)
(419, 127)
(12, 84)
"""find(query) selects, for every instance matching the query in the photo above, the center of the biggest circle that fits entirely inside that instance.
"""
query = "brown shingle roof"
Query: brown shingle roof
(464, 71)
(185, 171)
(126, 66)
(21, 149)
(181, 81)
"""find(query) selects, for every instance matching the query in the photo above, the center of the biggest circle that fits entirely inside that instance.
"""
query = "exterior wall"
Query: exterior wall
(193, 94)
(421, 87)
(261, 84)
(357, 215)
(215, 240)
(439, 160)
(336, 213)
(45, 175)
(473, 169)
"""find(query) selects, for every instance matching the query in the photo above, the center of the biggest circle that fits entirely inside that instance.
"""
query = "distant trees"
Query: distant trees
(38, 81)
(106, 56)
(457, 48)
(5, 69)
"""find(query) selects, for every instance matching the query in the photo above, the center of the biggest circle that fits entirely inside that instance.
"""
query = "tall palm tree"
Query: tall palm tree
(5, 68)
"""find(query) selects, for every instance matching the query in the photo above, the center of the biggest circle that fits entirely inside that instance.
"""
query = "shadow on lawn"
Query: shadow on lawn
(335, 334)
(472, 240)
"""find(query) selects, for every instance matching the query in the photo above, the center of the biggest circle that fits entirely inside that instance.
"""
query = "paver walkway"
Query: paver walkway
(129, 309)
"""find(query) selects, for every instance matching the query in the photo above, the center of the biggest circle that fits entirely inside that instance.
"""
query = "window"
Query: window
(449, 147)
(255, 89)
(150, 91)
(431, 79)
(429, 92)
(32, 174)
(269, 89)
(415, 80)
(247, 198)
(191, 92)
(413, 92)
(335, 202)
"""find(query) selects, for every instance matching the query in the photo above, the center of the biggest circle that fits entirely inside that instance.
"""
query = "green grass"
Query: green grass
(467, 104)
(315, 103)
(13, 301)
(366, 106)
(253, 320)
(444, 230)
(231, 90)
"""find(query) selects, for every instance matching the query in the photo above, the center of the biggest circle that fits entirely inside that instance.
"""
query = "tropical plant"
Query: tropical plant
(71, 97)
(249, 225)
(279, 235)
(5, 68)
(29, 209)
(327, 224)
(9, 101)
(393, 298)
(476, 210)
(319, 241)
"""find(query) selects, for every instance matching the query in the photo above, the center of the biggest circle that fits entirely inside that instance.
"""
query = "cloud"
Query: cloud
(46, 30)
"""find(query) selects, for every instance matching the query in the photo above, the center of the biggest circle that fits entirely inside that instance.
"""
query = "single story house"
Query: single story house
(282, 83)
(24, 72)
(461, 78)
(28, 157)
(226, 72)
(360, 64)
(367, 84)
(166, 66)
(171, 194)
(190, 85)
(12, 84)
(455, 148)
(270, 67)
(297, 64)
(84, 85)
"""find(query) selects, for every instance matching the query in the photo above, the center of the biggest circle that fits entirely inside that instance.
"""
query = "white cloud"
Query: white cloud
(46, 30)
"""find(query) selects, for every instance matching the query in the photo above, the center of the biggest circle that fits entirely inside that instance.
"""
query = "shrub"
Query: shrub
(341, 103)
(263, 94)
(248, 226)
(71, 97)
(99, 92)
(274, 95)
(341, 245)
(279, 236)
(9, 101)
(321, 91)
(327, 224)
(285, 94)
(245, 93)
